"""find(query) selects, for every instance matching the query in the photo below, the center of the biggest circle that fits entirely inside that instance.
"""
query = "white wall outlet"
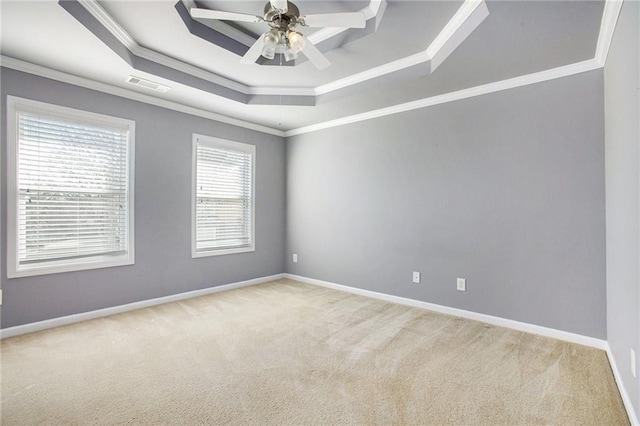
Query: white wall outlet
(416, 277)
(295, 258)
(461, 284)
(633, 362)
(0, 296)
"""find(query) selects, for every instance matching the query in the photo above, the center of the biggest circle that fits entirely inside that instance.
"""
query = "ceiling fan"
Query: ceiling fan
(283, 17)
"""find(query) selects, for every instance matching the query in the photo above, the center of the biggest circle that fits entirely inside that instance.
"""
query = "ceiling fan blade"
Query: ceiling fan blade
(254, 52)
(339, 20)
(222, 16)
(316, 57)
(280, 5)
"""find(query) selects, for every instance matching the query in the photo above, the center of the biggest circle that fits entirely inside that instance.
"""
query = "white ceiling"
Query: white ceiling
(425, 19)
(516, 38)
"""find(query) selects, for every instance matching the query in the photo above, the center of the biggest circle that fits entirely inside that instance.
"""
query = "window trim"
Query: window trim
(236, 146)
(14, 269)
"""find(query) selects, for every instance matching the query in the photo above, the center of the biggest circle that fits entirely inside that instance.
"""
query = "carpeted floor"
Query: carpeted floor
(291, 353)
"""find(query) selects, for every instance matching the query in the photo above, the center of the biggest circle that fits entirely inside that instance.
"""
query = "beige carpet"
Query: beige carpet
(290, 353)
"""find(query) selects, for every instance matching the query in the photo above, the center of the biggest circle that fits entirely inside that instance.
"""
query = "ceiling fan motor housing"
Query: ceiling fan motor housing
(283, 21)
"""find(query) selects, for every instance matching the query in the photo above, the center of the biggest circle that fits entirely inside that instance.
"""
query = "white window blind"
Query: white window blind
(223, 196)
(72, 190)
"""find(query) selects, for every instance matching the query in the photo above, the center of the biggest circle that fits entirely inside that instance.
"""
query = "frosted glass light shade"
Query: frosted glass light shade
(271, 38)
(269, 51)
(296, 41)
(270, 44)
(290, 55)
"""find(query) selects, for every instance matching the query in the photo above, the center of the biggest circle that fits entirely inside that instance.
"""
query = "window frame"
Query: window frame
(223, 144)
(14, 269)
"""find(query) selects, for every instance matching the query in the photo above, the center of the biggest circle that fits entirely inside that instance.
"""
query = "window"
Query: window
(223, 200)
(70, 189)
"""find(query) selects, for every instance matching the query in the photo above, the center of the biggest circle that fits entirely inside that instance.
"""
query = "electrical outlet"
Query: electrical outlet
(295, 258)
(633, 362)
(461, 284)
(0, 296)
(416, 277)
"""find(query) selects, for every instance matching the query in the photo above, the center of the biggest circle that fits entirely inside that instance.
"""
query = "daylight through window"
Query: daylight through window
(72, 200)
(223, 197)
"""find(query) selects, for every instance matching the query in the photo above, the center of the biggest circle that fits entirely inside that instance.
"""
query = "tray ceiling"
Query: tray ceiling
(409, 51)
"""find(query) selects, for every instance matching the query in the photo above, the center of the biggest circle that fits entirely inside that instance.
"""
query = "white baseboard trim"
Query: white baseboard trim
(99, 313)
(626, 399)
(501, 322)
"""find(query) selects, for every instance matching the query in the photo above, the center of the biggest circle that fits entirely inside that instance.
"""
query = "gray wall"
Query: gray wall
(622, 140)
(162, 207)
(506, 190)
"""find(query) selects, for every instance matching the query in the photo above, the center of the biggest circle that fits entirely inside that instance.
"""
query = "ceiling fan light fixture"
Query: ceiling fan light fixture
(269, 51)
(290, 55)
(283, 17)
(271, 38)
(296, 41)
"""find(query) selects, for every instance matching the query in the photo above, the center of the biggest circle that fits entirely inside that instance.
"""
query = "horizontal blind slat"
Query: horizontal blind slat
(73, 186)
(223, 198)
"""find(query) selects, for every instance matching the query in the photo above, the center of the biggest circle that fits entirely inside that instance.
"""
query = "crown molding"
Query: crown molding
(465, 20)
(607, 27)
(610, 15)
(498, 86)
(111, 25)
(452, 35)
(222, 27)
(450, 28)
(376, 9)
(29, 68)
(388, 68)
(282, 91)
(564, 71)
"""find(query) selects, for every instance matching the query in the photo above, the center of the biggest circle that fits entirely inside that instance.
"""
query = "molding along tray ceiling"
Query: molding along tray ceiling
(410, 53)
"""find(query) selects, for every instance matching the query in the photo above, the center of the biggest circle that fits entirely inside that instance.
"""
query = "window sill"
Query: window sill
(221, 252)
(60, 267)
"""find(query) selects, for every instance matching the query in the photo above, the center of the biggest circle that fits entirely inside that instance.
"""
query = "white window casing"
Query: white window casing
(70, 189)
(223, 197)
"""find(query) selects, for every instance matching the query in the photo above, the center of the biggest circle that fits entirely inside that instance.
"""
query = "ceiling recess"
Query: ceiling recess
(283, 17)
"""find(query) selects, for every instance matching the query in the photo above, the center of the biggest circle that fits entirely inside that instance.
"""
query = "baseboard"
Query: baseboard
(501, 322)
(99, 313)
(626, 399)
